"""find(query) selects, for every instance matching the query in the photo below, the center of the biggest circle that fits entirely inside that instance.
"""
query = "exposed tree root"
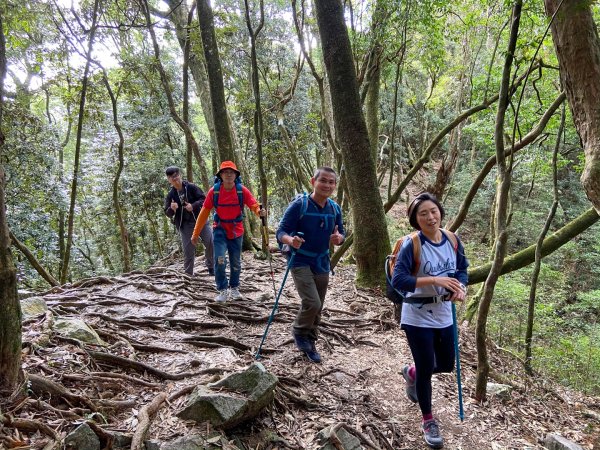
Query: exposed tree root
(145, 419)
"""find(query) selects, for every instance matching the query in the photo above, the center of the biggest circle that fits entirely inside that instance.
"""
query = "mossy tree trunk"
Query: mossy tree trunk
(501, 217)
(577, 47)
(10, 309)
(371, 240)
(215, 81)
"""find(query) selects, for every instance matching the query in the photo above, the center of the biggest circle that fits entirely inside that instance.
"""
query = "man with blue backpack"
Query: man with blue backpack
(228, 197)
(318, 220)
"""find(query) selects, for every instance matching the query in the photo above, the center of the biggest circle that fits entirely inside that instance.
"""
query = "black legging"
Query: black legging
(433, 352)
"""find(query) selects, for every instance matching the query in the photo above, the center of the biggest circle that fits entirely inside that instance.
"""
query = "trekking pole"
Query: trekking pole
(287, 270)
(461, 412)
(265, 236)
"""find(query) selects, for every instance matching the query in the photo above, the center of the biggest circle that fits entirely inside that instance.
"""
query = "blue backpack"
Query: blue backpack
(326, 218)
(216, 204)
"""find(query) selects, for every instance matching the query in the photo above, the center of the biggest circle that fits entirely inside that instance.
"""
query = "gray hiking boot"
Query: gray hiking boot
(411, 385)
(431, 433)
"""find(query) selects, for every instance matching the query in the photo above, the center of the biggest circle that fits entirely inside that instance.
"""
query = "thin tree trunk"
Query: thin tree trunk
(538, 251)
(115, 188)
(258, 118)
(189, 153)
(575, 37)
(84, 85)
(215, 81)
(370, 230)
(10, 307)
(504, 181)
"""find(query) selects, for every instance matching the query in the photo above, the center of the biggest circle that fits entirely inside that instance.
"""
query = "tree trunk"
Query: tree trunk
(538, 252)
(10, 308)
(502, 193)
(370, 231)
(124, 234)
(372, 98)
(578, 50)
(258, 118)
(84, 84)
(215, 81)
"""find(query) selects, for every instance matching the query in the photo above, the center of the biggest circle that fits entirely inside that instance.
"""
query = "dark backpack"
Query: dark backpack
(390, 261)
(240, 194)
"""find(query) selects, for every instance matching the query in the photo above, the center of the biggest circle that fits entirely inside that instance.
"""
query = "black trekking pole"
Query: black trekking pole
(265, 236)
(287, 271)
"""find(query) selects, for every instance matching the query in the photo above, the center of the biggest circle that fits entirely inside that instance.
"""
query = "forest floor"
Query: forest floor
(169, 322)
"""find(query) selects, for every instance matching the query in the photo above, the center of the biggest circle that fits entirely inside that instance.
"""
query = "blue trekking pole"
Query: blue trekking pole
(461, 412)
(287, 271)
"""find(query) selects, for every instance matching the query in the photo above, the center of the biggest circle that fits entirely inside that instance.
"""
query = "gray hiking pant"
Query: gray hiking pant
(189, 249)
(312, 289)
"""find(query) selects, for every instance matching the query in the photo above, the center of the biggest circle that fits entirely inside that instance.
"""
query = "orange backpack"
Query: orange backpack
(390, 261)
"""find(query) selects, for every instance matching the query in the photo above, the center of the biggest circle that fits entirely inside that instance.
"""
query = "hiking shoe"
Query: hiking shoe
(234, 293)
(431, 433)
(307, 346)
(223, 295)
(303, 343)
(411, 385)
(313, 355)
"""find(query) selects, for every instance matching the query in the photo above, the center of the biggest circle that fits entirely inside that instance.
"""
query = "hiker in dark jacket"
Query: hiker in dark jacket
(182, 205)
(320, 219)
(426, 309)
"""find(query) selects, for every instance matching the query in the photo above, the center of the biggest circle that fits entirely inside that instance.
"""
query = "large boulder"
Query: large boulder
(77, 329)
(232, 400)
(33, 307)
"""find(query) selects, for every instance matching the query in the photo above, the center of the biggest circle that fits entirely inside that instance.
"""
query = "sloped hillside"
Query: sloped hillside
(164, 335)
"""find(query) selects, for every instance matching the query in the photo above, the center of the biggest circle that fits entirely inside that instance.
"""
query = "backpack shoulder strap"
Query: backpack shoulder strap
(240, 194)
(416, 242)
(304, 205)
(452, 238)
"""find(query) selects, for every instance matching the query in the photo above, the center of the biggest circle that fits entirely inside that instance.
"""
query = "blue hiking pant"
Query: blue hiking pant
(433, 352)
(233, 247)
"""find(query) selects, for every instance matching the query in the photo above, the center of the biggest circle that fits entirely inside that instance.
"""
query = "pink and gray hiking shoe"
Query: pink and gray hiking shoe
(411, 385)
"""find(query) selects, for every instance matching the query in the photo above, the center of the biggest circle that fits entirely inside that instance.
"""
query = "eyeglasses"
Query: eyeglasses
(174, 176)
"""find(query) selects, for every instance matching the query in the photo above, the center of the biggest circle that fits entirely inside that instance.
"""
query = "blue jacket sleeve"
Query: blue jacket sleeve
(403, 279)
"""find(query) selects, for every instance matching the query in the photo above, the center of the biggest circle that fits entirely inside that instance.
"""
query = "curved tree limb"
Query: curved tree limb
(551, 244)
(438, 138)
(491, 162)
(33, 260)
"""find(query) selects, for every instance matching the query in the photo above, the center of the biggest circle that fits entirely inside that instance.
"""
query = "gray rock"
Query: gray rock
(186, 443)
(151, 445)
(77, 329)
(232, 400)
(557, 442)
(348, 440)
(82, 438)
(33, 307)
(502, 391)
